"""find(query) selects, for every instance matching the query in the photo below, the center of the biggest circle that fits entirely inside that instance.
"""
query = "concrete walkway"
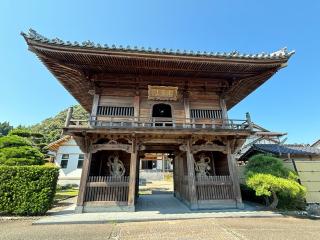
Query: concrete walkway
(152, 208)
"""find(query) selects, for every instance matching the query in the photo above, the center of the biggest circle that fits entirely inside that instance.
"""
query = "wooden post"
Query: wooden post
(224, 108)
(133, 175)
(136, 107)
(234, 176)
(177, 175)
(186, 107)
(83, 182)
(137, 177)
(95, 105)
(224, 111)
(180, 171)
(249, 121)
(191, 177)
(69, 116)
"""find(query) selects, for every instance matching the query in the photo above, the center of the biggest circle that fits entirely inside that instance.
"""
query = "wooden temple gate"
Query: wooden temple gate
(142, 99)
(100, 191)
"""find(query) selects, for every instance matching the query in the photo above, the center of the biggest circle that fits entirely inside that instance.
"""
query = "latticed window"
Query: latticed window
(80, 161)
(205, 113)
(64, 160)
(115, 111)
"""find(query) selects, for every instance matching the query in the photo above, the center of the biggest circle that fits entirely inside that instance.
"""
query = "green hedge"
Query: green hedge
(27, 190)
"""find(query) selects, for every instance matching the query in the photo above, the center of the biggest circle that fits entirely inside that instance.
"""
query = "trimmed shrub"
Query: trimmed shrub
(16, 150)
(27, 190)
(13, 141)
(270, 179)
(269, 185)
(267, 164)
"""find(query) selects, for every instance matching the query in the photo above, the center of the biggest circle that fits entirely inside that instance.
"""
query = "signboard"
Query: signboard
(162, 93)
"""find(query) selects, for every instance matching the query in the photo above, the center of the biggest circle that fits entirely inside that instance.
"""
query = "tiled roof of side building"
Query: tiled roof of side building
(54, 146)
(278, 150)
(316, 144)
(280, 54)
(283, 149)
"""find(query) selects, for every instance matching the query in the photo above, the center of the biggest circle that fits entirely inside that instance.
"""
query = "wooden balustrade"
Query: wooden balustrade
(214, 188)
(107, 189)
(160, 123)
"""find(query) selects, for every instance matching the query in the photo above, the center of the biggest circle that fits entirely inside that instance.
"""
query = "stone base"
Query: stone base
(104, 208)
(215, 204)
(212, 204)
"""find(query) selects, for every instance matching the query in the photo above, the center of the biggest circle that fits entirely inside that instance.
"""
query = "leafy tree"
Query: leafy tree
(13, 141)
(51, 128)
(37, 139)
(5, 128)
(262, 163)
(270, 185)
(16, 150)
(268, 177)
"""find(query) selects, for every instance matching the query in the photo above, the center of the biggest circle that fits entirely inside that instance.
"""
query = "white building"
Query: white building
(153, 166)
(69, 157)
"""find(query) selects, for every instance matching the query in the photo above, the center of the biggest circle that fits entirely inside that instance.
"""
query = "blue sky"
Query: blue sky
(288, 102)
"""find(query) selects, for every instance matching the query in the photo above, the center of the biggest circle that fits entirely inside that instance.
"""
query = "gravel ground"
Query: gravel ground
(222, 228)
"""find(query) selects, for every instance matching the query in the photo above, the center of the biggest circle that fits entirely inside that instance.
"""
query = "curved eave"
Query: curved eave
(214, 58)
(70, 64)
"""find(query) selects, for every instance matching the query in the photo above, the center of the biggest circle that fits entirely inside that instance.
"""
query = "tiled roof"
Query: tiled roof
(279, 149)
(56, 144)
(316, 144)
(286, 149)
(280, 54)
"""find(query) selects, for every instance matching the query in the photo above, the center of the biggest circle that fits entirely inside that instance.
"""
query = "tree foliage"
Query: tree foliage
(16, 150)
(5, 128)
(270, 185)
(262, 163)
(268, 177)
(51, 128)
(36, 139)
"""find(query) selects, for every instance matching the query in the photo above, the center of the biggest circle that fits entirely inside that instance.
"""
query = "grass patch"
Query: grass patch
(63, 194)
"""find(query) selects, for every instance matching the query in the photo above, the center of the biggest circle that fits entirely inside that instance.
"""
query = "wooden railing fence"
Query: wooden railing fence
(107, 188)
(214, 188)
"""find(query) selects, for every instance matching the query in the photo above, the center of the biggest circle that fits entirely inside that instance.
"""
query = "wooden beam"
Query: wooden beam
(234, 176)
(191, 177)
(133, 174)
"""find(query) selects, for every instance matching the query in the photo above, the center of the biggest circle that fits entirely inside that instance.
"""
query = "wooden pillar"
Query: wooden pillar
(181, 174)
(137, 176)
(224, 108)
(186, 107)
(133, 175)
(191, 177)
(136, 106)
(94, 109)
(83, 182)
(69, 116)
(178, 174)
(249, 121)
(234, 176)
(224, 112)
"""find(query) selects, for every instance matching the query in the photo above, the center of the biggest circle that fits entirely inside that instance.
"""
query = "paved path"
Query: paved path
(283, 228)
(152, 208)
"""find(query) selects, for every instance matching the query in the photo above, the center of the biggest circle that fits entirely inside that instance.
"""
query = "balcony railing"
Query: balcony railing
(159, 123)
